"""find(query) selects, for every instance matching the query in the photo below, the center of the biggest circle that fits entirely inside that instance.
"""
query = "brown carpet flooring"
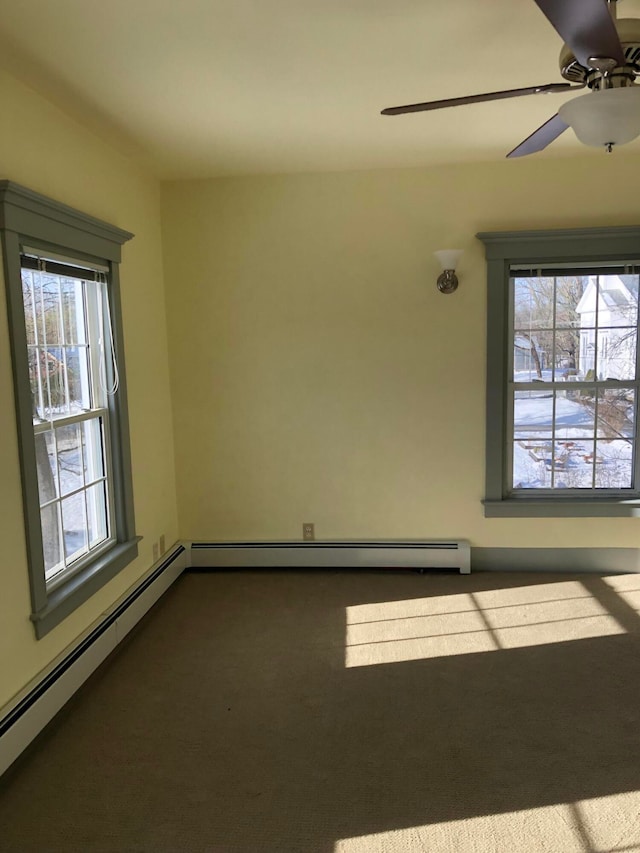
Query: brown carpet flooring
(329, 712)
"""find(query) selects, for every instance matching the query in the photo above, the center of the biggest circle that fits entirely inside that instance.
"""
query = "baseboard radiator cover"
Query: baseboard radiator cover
(557, 560)
(351, 553)
(23, 719)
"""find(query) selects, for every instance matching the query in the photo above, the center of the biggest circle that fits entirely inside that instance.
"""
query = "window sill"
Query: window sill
(561, 508)
(68, 596)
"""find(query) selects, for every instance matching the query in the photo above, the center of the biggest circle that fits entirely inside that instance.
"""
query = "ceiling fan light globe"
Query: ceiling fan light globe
(606, 116)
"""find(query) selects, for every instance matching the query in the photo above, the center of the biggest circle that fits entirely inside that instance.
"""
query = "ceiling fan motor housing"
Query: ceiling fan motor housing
(629, 32)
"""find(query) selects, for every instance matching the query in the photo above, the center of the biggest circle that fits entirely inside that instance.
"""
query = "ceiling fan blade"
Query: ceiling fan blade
(540, 138)
(586, 26)
(476, 99)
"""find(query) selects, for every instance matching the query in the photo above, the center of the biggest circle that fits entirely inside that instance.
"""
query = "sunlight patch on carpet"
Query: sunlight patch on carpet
(627, 587)
(601, 825)
(468, 623)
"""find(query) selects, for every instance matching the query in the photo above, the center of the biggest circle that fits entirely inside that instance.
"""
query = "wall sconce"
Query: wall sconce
(448, 280)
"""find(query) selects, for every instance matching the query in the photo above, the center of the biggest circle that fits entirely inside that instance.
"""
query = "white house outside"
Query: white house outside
(608, 313)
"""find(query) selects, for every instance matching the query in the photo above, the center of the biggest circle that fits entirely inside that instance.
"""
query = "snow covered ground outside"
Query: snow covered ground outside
(581, 456)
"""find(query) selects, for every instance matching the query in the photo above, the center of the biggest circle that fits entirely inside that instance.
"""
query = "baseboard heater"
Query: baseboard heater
(352, 553)
(28, 714)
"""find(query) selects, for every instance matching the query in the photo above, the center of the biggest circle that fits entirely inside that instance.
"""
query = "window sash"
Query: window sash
(551, 386)
(552, 439)
(72, 566)
(93, 337)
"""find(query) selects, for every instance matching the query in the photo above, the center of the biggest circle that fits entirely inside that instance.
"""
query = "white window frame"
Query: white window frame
(540, 249)
(31, 222)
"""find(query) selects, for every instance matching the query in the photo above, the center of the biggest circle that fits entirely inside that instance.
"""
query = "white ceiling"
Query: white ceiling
(200, 88)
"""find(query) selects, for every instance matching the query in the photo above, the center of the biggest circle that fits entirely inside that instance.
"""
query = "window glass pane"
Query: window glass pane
(587, 353)
(69, 444)
(533, 414)
(533, 329)
(614, 464)
(587, 311)
(618, 300)
(73, 311)
(93, 450)
(533, 419)
(74, 523)
(50, 315)
(35, 381)
(38, 305)
(566, 353)
(616, 433)
(616, 413)
(573, 464)
(533, 356)
(569, 291)
(46, 467)
(52, 365)
(49, 520)
(37, 377)
(574, 413)
(28, 300)
(97, 514)
(533, 303)
(531, 464)
(77, 359)
(617, 352)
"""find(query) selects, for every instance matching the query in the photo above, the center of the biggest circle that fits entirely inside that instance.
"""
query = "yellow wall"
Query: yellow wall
(44, 150)
(317, 373)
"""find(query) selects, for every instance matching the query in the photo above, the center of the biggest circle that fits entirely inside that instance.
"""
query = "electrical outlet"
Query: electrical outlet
(162, 545)
(308, 531)
(155, 552)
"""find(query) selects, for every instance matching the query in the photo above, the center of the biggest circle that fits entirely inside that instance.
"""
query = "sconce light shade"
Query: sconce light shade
(448, 258)
(605, 117)
(448, 280)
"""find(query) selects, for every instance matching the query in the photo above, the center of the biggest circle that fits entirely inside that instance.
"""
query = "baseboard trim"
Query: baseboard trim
(338, 553)
(601, 560)
(408, 554)
(28, 714)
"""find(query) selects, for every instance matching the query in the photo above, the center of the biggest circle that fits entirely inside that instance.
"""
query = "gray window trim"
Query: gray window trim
(26, 217)
(538, 248)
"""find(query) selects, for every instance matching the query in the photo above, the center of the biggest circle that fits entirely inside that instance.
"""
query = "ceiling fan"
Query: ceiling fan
(599, 52)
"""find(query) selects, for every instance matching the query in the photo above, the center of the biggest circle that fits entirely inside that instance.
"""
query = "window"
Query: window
(61, 277)
(66, 322)
(562, 373)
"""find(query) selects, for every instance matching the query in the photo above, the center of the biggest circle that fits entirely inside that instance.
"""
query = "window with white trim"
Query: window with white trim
(62, 285)
(563, 373)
